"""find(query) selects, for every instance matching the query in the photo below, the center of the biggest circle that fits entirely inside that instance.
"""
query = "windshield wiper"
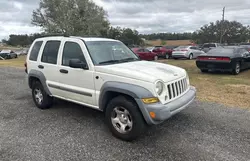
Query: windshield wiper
(110, 61)
(128, 59)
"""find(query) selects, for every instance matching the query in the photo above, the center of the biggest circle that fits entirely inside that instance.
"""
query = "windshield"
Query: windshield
(109, 52)
(182, 47)
(208, 45)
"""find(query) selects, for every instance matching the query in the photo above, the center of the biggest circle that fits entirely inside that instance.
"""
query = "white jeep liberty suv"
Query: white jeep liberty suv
(106, 75)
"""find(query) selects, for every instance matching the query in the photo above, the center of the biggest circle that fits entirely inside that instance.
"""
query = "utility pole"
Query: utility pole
(222, 24)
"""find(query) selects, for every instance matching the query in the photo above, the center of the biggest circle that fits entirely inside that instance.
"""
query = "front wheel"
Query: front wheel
(155, 57)
(190, 57)
(236, 69)
(124, 118)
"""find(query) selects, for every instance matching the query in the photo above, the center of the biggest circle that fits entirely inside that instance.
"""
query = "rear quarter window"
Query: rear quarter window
(35, 50)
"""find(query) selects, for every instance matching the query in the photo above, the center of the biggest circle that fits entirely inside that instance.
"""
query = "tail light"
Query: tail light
(214, 58)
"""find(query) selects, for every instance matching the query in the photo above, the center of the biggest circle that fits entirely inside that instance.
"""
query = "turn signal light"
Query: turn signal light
(152, 115)
(150, 100)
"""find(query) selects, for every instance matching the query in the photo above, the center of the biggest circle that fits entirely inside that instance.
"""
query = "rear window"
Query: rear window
(222, 51)
(50, 52)
(35, 50)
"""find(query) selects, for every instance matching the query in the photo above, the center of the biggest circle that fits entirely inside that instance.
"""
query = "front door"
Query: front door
(76, 84)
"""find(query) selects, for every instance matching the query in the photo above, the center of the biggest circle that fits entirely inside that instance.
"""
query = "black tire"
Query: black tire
(138, 123)
(204, 70)
(175, 58)
(47, 100)
(190, 57)
(236, 68)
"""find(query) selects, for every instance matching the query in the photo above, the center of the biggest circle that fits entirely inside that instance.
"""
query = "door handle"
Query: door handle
(40, 66)
(64, 71)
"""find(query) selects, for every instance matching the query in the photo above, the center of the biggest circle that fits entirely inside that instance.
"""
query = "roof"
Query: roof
(5, 51)
(78, 37)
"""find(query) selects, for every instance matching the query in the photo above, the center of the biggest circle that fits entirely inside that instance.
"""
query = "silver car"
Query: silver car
(188, 52)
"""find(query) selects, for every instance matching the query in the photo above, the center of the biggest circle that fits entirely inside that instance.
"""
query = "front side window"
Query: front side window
(109, 52)
(35, 50)
(50, 52)
(71, 50)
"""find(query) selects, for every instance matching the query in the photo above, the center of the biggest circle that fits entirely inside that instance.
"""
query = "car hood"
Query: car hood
(143, 70)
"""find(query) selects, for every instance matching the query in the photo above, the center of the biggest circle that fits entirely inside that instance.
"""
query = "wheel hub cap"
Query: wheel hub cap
(121, 120)
(38, 96)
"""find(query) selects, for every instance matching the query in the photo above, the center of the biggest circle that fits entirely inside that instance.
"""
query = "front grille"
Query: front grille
(177, 88)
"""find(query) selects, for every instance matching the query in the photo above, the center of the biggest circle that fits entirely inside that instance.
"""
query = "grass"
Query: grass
(19, 62)
(221, 88)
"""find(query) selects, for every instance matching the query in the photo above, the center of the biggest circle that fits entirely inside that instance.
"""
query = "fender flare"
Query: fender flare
(39, 75)
(135, 91)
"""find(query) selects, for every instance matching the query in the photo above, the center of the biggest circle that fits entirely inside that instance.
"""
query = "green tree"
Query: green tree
(225, 31)
(71, 17)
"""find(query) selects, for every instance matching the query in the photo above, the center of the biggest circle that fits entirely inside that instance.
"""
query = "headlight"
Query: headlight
(159, 87)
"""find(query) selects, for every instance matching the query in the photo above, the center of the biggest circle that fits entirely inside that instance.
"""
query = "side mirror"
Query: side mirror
(77, 63)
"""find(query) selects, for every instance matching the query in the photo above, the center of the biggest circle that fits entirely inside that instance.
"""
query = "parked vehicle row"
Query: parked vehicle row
(209, 57)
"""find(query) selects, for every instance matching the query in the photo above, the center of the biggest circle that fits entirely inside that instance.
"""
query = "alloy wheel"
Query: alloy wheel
(121, 120)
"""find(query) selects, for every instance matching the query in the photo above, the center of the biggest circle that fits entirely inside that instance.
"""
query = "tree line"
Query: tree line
(85, 18)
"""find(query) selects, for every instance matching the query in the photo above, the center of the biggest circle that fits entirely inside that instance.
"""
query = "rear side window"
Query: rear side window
(72, 50)
(50, 52)
(35, 50)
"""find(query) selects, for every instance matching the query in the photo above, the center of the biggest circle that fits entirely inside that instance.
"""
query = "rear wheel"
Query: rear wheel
(190, 56)
(40, 97)
(236, 68)
(124, 118)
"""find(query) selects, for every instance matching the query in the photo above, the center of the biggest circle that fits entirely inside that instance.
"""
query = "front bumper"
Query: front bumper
(165, 111)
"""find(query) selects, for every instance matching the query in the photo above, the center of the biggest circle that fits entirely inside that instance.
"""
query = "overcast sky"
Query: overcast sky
(146, 16)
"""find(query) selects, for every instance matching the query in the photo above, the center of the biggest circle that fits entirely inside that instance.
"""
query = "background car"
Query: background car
(227, 58)
(145, 54)
(164, 51)
(247, 47)
(208, 46)
(8, 54)
(188, 52)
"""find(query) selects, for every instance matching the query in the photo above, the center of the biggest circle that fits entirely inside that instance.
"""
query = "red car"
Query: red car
(145, 54)
(164, 51)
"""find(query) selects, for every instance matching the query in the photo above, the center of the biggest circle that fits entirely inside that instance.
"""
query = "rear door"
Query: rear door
(47, 63)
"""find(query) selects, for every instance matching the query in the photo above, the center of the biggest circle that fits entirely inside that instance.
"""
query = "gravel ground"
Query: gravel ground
(67, 131)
